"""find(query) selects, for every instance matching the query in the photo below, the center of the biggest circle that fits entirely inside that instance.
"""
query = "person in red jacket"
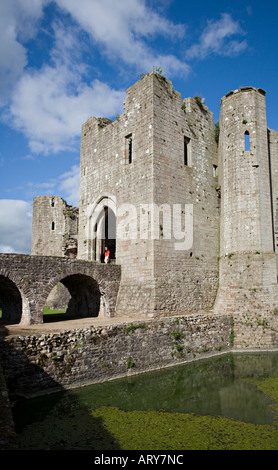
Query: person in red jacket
(106, 255)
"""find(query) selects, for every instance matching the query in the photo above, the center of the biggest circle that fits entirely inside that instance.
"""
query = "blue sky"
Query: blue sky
(66, 60)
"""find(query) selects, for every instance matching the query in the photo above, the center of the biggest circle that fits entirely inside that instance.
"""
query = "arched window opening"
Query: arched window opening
(247, 141)
(76, 296)
(10, 302)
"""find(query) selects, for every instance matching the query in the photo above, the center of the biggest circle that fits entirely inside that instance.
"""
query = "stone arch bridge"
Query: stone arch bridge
(26, 281)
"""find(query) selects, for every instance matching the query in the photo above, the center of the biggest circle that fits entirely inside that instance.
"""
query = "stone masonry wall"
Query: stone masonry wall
(43, 363)
(156, 278)
(7, 429)
(247, 294)
(106, 173)
(273, 150)
(186, 278)
(247, 266)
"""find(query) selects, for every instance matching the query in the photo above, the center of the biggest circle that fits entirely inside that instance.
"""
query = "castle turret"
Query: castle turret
(248, 277)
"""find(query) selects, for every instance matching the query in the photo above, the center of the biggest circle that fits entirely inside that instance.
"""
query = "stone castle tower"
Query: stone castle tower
(54, 227)
(193, 224)
(155, 169)
(248, 178)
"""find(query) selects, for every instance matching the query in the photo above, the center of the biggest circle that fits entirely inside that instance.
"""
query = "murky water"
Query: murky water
(222, 386)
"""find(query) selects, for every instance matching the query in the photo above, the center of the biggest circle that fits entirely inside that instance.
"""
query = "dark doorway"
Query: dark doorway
(83, 299)
(10, 302)
(110, 233)
(105, 235)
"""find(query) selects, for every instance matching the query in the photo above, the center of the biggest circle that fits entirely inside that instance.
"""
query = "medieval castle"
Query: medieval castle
(190, 217)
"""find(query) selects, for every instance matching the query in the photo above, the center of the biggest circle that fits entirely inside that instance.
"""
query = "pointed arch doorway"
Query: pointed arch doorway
(103, 230)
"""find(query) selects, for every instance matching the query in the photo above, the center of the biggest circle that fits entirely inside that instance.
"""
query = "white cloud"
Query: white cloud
(16, 226)
(123, 29)
(49, 105)
(50, 114)
(70, 185)
(65, 185)
(14, 16)
(216, 39)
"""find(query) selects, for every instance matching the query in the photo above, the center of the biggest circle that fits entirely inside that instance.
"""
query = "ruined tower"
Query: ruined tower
(248, 275)
(155, 170)
(54, 228)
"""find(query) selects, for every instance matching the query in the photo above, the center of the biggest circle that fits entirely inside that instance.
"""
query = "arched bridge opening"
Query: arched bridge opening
(10, 302)
(26, 282)
(75, 296)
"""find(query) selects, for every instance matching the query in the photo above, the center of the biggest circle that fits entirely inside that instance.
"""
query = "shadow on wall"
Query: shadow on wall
(23, 378)
(10, 302)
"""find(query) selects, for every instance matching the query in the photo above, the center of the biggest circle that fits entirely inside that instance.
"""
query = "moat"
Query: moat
(225, 402)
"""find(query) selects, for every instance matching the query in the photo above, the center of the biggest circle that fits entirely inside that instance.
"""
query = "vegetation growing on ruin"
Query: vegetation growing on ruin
(131, 328)
(217, 131)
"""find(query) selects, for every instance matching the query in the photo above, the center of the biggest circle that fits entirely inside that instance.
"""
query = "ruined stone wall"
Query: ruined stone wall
(153, 271)
(54, 227)
(106, 173)
(186, 275)
(42, 363)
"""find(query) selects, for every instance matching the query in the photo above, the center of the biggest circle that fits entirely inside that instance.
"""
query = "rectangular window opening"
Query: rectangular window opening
(128, 148)
(215, 171)
(247, 141)
(187, 155)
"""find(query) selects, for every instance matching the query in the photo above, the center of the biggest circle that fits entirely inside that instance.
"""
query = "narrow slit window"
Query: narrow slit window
(186, 151)
(52, 202)
(53, 226)
(247, 141)
(128, 148)
(215, 171)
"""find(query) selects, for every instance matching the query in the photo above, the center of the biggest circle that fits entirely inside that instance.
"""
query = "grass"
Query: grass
(46, 311)
(49, 311)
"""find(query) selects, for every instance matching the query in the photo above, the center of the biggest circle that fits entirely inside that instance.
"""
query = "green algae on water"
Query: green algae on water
(226, 403)
(269, 386)
(152, 430)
